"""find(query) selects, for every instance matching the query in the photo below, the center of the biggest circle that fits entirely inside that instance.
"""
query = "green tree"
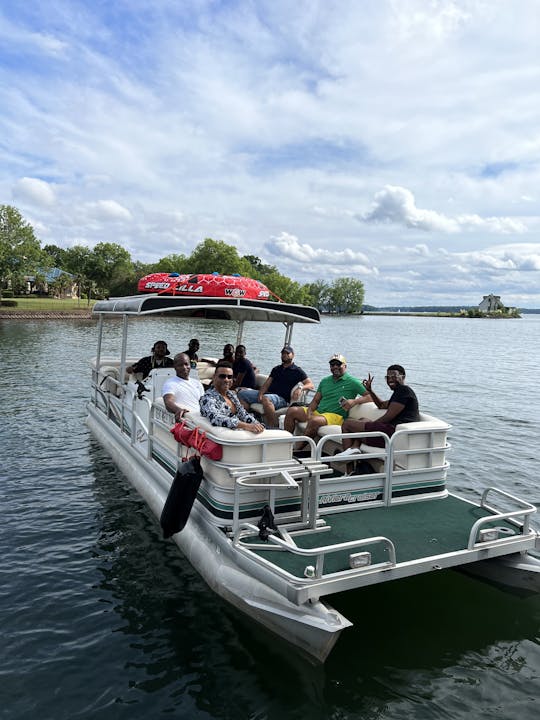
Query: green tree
(318, 292)
(55, 256)
(76, 261)
(279, 285)
(62, 285)
(346, 296)
(20, 250)
(216, 256)
(169, 264)
(108, 266)
(284, 288)
(259, 269)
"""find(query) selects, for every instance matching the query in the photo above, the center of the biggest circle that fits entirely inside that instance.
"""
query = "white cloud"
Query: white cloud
(286, 247)
(33, 191)
(236, 120)
(397, 205)
(108, 210)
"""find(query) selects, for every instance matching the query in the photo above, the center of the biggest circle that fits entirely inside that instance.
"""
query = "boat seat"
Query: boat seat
(240, 447)
(206, 371)
(109, 367)
(107, 376)
(417, 445)
(157, 378)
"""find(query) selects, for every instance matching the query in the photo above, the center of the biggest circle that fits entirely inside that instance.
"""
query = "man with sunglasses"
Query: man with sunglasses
(402, 407)
(182, 392)
(328, 404)
(222, 406)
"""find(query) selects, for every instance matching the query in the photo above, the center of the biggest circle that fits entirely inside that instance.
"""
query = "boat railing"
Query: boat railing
(390, 456)
(114, 407)
(520, 517)
(313, 574)
(281, 475)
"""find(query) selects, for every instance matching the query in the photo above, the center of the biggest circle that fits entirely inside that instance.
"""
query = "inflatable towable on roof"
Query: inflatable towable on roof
(204, 285)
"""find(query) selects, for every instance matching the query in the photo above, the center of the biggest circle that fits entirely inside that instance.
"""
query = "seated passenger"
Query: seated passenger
(191, 352)
(287, 382)
(402, 407)
(228, 353)
(221, 405)
(157, 359)
(181, 393)
(328, 406)
(243, 370)
(228, 356)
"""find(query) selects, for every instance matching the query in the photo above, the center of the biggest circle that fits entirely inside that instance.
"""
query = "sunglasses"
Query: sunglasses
(222, 376)
(335, 363)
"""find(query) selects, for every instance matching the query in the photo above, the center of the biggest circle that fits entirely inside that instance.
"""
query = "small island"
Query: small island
(490, 307)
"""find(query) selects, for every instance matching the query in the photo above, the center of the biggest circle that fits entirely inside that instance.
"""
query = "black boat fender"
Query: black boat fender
(181, 497)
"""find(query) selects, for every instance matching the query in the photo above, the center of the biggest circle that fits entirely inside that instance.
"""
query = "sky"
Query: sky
(393, 141)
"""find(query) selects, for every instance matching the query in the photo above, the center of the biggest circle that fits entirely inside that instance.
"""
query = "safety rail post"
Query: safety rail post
(386, 453)
(98, 356)
(245, 481)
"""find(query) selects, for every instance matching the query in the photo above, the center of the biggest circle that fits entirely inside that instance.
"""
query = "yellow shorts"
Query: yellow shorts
(331, 418)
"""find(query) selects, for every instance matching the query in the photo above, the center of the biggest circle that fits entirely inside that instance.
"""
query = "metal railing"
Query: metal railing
(525, 511)
(317, 554)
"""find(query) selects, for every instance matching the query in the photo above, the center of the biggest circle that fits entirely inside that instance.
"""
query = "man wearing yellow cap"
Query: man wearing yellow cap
(326, 407)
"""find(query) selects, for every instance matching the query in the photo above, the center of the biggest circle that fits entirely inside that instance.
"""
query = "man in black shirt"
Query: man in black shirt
(158, 359)
(285, 384)
(243, 370)
(191, 352)
(402, 407)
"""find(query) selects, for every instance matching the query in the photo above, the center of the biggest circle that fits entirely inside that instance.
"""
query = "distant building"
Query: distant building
(491, 303)
(59, 281)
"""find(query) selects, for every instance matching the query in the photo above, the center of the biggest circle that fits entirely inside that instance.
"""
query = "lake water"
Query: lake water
(101, 618)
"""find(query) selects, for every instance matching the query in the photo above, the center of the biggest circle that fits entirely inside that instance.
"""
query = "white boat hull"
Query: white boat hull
(313, 627)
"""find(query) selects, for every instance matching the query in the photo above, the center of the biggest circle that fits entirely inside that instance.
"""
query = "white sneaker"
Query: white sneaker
(350, 451)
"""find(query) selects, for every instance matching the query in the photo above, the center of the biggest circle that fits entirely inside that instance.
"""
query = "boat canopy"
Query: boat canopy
(238, 309)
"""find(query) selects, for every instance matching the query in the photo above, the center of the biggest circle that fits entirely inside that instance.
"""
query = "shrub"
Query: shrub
(9, 303)
(7, 293)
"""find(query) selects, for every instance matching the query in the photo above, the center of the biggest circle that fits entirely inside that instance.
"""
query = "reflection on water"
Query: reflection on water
(101, 618)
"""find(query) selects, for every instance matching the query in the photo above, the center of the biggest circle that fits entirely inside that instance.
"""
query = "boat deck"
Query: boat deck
(390, 542)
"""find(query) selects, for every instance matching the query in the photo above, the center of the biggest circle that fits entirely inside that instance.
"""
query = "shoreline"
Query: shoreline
(87, 314)
(46, 315)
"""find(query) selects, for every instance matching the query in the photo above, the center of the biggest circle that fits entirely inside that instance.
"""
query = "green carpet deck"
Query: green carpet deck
(418, 530)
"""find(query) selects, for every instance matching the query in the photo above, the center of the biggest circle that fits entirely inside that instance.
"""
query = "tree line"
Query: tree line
(107, 270)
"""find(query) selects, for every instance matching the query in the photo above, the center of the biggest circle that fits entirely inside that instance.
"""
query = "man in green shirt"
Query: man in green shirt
(326, 408)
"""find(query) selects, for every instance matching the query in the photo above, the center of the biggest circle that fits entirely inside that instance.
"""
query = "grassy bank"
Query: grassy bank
(44, 307)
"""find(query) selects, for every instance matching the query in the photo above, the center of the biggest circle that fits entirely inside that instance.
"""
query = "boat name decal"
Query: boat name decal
(190, 288)
(334, 498)
(158, 285)
(163, 415)
(235, 292)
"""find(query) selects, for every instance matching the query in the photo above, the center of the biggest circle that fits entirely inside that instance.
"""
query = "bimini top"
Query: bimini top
(209, 308)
